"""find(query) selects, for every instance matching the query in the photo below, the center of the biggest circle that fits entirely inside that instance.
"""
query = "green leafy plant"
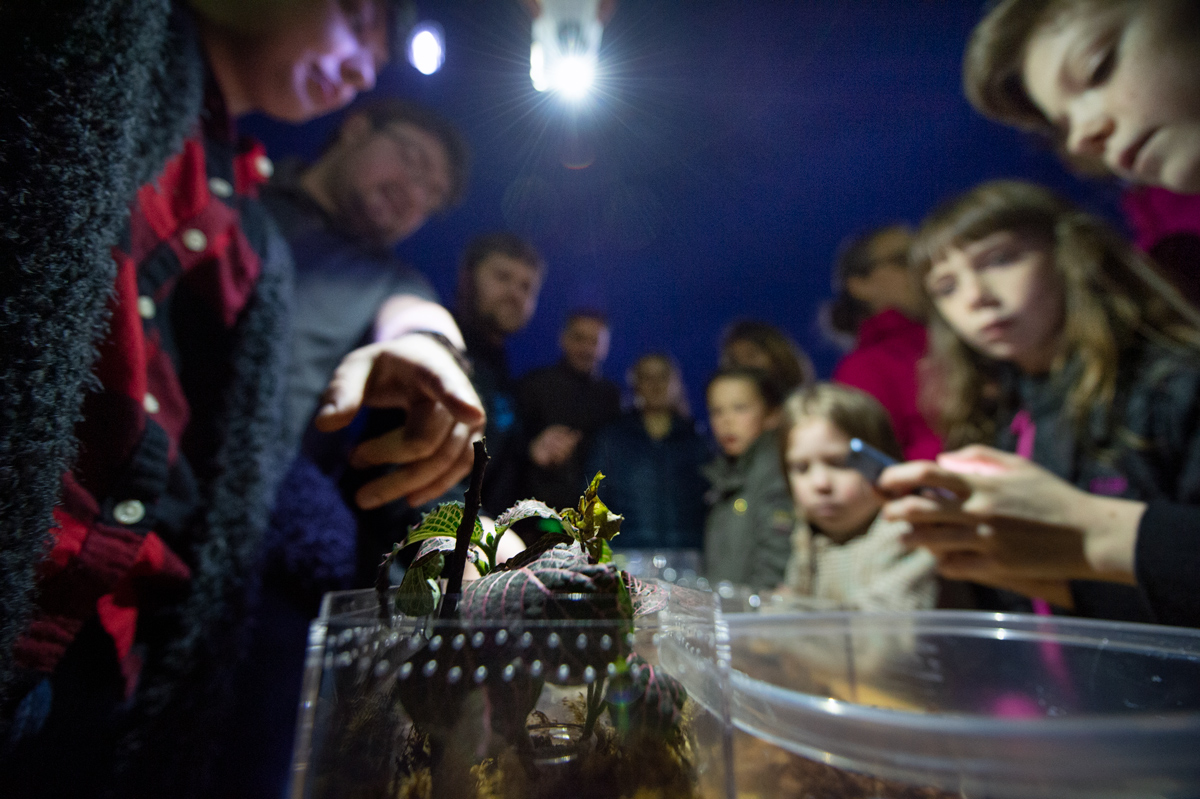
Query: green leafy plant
(565, 576)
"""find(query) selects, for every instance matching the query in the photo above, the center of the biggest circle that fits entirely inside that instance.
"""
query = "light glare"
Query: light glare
(564, 57)
(575, 76)
(426, 51)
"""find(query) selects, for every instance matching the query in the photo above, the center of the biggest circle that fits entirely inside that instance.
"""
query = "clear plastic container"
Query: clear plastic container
(678, 566)
(501, 707)
(941, 703)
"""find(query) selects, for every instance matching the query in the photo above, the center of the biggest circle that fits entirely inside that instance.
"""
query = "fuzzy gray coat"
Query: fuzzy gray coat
(97, 95)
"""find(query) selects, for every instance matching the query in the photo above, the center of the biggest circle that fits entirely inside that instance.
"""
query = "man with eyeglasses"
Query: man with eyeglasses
(389, 168)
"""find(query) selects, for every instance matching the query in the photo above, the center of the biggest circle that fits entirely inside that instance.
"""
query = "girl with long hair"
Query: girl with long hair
(1052, 337)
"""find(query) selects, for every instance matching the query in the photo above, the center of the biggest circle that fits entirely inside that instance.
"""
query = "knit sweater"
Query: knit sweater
(109, 89)
(106, 91)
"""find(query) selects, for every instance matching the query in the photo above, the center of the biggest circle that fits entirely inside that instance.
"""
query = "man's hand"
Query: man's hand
(444, 416)
(554, 445)
(1003, 521)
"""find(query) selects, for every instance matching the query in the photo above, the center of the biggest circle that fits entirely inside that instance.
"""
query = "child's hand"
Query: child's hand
(1003, 521)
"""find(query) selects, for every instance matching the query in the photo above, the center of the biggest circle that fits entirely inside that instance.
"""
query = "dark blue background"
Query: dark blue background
(729, 150)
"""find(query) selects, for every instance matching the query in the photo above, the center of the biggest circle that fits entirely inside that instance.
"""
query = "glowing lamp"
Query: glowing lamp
(566, 46)
(426, 48)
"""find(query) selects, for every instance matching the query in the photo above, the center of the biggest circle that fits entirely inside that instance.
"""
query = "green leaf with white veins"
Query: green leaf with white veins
(442, 521)
(525, 509)
(417, 594)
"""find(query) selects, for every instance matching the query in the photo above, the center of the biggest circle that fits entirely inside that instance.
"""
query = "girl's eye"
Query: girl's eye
(1103, 67)
(799, 468)
(943, 287)
(1001, 256)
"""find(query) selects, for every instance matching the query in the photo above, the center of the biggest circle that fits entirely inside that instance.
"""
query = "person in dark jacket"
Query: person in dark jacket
(747, 534)
(1105, 396)
(651, 459)
(561, 407)
(149, 486)
(499, 281)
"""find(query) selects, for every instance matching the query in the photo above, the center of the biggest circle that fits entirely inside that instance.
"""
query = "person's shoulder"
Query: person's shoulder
(1167, 371)
(539, 374)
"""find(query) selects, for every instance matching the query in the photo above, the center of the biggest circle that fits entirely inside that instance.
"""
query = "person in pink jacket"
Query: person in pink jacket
(877, 305)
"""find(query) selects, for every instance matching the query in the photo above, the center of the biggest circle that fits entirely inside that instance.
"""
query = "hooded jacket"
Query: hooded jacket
(747, 535)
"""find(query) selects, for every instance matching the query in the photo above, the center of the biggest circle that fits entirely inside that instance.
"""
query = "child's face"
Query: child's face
(656, 385)
(737, 413)
(834, 498)
(1121, 85)
(1002, 297)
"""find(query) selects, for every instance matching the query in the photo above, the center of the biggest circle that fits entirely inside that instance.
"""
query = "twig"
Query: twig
(383, 583)
(462, 539)
(595, 706)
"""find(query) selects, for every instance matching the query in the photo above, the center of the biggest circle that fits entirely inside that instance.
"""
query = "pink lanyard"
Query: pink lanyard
(1052, 655)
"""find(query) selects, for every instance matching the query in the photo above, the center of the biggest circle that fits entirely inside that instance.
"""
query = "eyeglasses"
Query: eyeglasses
(415, 157)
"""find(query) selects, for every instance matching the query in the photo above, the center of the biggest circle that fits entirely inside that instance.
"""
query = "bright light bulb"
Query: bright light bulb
(575, 76)
(426, 49)
(566, 46)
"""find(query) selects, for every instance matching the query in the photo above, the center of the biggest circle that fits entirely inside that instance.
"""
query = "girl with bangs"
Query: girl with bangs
(1052, 338)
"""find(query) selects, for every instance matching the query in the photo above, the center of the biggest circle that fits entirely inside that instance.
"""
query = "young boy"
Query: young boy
(748, 531)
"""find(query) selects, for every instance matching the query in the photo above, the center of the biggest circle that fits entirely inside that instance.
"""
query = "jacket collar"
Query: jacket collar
(889, 324)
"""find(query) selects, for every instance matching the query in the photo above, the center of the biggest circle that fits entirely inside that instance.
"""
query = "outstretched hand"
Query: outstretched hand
(554, 446)
(1003, 521)
(444, 416)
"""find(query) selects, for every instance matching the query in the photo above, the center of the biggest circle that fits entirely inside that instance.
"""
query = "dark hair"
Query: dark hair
(496, 243)
(682, 407)
(846, 313)
(594, 314)
(389, 111)
(767, 388)
(790, 367)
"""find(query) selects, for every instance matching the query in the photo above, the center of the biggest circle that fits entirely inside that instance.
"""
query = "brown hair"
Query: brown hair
(390, 111)
(791, 368)
(766, 387)
(854, 412)
(992, 64)
(1115, 299)
(682, 406)
(846, 313)
(479, 248)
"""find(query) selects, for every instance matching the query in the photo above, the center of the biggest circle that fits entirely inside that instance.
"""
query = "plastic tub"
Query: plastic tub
(949, 703)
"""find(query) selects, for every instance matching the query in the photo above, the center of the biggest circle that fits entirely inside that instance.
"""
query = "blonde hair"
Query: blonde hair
(854, 412)
(1114, 298)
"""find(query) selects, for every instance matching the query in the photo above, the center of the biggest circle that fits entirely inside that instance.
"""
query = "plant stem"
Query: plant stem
(466, 528)
(595, 705)
(383, 583)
